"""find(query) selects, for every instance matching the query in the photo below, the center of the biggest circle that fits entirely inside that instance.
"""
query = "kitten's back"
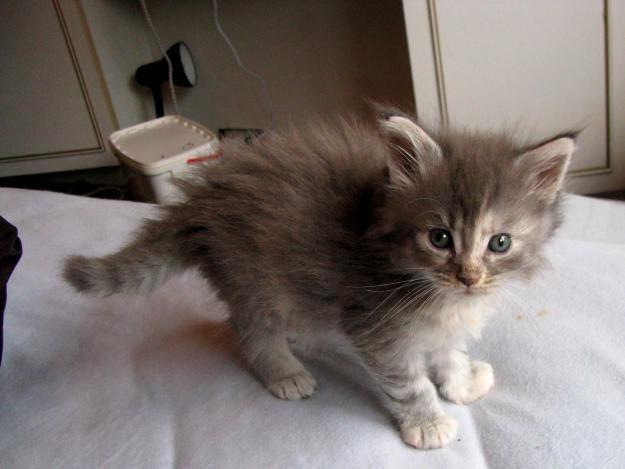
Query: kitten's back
(291, 203)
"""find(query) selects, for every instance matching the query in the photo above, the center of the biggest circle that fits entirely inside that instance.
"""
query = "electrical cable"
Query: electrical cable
(258, 77)
(170, 68)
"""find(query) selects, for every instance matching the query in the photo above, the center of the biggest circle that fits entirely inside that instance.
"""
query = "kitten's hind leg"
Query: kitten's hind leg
(268, 354)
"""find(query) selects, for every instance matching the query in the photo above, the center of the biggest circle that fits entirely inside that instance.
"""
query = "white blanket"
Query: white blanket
(155, 382)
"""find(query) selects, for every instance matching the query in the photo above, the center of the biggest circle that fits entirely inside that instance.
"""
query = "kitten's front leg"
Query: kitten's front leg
(413, 402)
(459, 379)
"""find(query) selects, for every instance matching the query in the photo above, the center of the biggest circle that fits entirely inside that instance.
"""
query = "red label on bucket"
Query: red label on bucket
(199, 159)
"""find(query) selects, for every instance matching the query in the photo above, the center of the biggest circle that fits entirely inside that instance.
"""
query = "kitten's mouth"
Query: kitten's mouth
(460, 289)
(463, 291)
(474, 291)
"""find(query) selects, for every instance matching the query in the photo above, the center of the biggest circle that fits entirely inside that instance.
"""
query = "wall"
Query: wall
(318, 58)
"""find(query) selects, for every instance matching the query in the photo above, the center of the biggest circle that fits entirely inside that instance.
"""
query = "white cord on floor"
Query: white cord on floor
(258, 77)
(170, 69)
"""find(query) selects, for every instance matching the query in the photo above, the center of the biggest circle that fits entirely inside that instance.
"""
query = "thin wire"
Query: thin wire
(170, 68)
(258, 77)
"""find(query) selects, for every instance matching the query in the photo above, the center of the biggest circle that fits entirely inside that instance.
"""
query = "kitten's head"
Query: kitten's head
(470, 210)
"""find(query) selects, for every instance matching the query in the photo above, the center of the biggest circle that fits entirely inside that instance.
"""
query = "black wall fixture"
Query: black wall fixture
(155, 73)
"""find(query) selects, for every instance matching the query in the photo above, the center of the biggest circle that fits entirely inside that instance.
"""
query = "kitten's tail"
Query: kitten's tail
(148, 261)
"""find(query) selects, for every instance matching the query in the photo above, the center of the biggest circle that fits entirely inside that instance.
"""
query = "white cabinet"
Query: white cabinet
(538, 67)
(56, 110)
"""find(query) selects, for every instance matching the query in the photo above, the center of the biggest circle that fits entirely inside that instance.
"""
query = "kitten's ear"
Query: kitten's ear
(546, 165)
(413, 150)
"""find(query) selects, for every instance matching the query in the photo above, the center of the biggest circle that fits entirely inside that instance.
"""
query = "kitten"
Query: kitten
(386, 236)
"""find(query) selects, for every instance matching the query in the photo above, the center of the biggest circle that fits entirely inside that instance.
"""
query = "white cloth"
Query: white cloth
(154, 382)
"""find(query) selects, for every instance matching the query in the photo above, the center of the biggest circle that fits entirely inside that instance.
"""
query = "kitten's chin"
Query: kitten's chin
(473, 291)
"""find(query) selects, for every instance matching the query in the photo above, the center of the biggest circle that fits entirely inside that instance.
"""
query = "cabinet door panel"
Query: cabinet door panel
(534, 66)
(537, 65)
(44, 106)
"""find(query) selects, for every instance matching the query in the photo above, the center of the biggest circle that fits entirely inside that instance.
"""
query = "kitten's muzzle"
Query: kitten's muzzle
(469, 278)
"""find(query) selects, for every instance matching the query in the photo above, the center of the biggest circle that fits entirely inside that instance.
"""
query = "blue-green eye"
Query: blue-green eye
(500, 242)
(441, 238)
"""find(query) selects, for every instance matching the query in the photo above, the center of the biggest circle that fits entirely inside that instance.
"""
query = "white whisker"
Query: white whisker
(402, 304)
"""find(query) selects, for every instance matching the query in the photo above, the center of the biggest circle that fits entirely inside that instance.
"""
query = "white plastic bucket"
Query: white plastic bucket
(156, 151)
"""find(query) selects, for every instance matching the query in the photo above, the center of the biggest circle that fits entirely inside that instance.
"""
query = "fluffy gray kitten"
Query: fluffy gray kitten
(386, 238)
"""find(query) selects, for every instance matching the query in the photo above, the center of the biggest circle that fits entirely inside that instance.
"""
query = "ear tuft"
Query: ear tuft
(546, 165)
(413, 150)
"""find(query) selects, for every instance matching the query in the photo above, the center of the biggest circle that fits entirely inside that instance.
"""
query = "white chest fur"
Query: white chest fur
(450, 320)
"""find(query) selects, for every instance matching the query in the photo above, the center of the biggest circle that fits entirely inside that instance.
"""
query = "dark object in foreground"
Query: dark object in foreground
(10, 253)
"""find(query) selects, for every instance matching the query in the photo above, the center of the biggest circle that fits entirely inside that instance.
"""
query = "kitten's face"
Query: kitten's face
(475, 210)
(472, 254)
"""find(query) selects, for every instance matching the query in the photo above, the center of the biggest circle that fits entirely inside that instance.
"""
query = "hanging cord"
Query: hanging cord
(258, 77)
(170, 68)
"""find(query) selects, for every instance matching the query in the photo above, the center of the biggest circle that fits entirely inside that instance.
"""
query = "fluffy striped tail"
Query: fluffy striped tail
(142, 265)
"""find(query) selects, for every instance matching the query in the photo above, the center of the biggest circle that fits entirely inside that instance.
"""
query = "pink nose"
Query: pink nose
(469, 278)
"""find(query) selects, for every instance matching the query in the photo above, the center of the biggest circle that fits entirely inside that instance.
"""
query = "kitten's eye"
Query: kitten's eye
(500, 243)
(441, 238)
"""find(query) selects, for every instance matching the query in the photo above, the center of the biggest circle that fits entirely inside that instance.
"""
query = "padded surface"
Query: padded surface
(155, 382)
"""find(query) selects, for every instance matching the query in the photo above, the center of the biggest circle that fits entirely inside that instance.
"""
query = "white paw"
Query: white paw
(481, 381)
(431, 435)
(294, 387)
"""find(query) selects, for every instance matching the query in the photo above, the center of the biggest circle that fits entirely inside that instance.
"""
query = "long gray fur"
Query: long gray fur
(322, 230)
